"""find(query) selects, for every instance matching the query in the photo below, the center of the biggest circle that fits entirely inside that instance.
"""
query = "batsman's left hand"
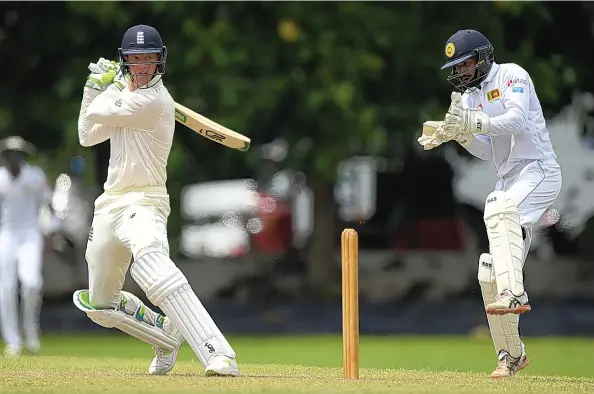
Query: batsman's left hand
(100, 81)
(104, 65)
(461, 120)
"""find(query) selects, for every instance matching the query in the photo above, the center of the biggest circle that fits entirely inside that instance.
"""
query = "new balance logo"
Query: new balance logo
(140, 37)
(514, 302)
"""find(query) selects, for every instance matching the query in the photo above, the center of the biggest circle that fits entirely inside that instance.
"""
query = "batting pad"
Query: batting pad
(167, 287)
(130, 324)
(504, 328)
(505, 242)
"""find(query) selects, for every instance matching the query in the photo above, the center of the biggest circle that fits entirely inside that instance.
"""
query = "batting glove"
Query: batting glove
(120, 81)
(100, 81)
(104, 65)
(108, 66)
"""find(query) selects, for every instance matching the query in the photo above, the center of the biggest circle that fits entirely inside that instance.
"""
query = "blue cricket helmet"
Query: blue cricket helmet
(465, 45)
(142, 39)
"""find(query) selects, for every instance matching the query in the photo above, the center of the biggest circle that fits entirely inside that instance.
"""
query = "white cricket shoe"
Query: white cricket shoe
(163, 362)
(220, 365)
(33, 346)
(506, 302)
(12, 351)
(508, 366)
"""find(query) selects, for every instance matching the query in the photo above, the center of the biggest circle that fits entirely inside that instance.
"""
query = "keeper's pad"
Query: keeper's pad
(167, 287)
(504, 328)
(505, 242)
(132, 318)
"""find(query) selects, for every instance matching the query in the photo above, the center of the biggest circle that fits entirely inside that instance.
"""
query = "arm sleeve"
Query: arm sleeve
(516, 101)
(124, 109)
(479, 146)
(89, 133)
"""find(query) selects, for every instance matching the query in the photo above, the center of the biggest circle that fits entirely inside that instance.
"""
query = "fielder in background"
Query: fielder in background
(129, 105)
(499, 117)
(23, 192)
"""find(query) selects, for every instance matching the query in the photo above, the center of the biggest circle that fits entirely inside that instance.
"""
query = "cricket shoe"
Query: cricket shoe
(164, 360)
(220, 365)
(33, 346)
(12, 351)
(508, 366)
(506, 302)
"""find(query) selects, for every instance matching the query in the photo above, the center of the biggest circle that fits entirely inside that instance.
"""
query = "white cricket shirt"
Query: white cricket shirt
(518, 131)
(21, 198)
(140, 128)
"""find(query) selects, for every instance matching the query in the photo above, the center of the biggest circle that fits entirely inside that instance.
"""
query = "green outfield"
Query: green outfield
(117, 364)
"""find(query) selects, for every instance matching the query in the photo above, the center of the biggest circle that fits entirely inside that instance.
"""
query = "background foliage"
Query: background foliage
(333, 78)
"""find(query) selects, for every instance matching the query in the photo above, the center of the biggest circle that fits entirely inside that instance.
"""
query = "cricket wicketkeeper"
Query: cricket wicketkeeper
(498, 117)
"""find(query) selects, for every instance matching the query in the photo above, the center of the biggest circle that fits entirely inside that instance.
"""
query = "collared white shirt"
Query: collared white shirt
(518, 131)
(21, 198)
(140, 127)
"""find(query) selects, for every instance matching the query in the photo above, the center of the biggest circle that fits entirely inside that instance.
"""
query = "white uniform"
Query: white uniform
(135, 181)
(21, 252)
(130, 223)
(529, 182)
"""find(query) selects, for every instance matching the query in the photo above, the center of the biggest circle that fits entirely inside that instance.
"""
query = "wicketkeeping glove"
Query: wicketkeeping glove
(434, 134)
(460, 120)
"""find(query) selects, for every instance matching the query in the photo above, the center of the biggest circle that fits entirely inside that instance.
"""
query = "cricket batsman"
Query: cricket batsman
(128, 104)
(498, 116)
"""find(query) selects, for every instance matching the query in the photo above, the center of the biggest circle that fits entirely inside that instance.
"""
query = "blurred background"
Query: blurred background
(332, 96)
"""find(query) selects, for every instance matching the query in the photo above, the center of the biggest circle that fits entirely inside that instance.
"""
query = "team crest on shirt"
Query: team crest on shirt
(493, 95)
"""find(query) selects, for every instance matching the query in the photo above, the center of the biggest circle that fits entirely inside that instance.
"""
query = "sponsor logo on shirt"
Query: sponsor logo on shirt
(516, 81)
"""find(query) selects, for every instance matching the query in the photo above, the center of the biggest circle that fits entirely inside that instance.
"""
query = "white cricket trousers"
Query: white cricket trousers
(123, 224)
(534, 188)
(21, 260)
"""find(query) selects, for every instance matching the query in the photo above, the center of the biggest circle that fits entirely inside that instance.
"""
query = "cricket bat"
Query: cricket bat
(202, 125)
(210, 129)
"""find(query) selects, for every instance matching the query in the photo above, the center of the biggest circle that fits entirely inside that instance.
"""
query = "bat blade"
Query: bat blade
(210, 129)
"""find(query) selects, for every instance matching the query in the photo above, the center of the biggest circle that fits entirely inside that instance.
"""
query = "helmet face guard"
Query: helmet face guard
(484, 56)
(125, 64)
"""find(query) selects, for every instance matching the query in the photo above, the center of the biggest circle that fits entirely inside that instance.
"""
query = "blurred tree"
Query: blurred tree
(334, 79)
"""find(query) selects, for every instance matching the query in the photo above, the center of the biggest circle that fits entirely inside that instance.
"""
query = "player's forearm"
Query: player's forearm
(115, 109)
(511, 122)
(89, 133)
(479, 147)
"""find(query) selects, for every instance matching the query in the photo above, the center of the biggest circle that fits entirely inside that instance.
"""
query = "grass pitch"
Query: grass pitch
(118, 364)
